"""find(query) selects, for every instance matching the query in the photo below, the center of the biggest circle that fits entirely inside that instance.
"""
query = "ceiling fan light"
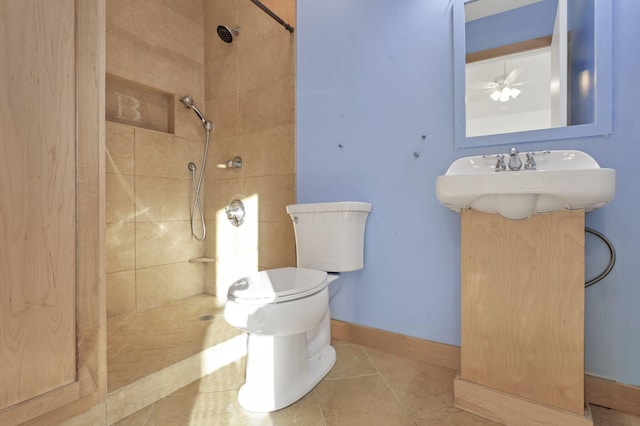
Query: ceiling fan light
(504, 96)
(515, 92)
(495, 95)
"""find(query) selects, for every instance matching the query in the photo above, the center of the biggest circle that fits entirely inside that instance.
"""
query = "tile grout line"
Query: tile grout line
(386, 382)
(355, 376)
(146, 419)
(315, 393)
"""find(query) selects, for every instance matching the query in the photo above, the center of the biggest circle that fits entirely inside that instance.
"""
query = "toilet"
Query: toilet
(285, 311)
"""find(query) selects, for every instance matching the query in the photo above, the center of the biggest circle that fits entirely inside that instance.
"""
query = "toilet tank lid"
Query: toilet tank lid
(339, 206)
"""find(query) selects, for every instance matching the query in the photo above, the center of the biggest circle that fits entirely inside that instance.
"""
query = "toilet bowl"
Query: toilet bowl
(285, 311)
(289, 336)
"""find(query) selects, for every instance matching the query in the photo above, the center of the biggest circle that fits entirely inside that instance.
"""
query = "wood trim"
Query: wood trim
(91, 304)
(509, 409)
(406, 346)
(509, 49)
(612, 394)
(77, 409)
(602, 392)
(24, 411)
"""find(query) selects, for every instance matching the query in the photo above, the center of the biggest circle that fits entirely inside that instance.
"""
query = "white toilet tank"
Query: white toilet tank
(330, 236)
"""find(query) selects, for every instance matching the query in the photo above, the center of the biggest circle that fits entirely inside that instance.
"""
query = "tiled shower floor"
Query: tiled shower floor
(366, 386)
(141, 343)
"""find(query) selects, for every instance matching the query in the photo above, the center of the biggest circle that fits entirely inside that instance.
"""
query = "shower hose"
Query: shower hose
(197, 204)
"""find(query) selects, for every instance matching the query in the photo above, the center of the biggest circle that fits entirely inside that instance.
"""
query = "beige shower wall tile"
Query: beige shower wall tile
(162, 26)
(164, 69)
(267, 107)
(119, 57)
(120, 246)
(219, 9)
(232, 241)
(222, 75)
(119, 149)
(162, 155)
(120, 13)
(266, 61)
(210, 241)
(285, 9)
(277, 245)
(274, 193)
(162, 199)
(227, 16)
(225, 148)
(121, 293)
(269, 152)
(214, 46)
(220, 194)
(190, 9)
(187, 124)
(259, 25)
(119, 193)
(159, 243)
(223, 113)
(161, 284)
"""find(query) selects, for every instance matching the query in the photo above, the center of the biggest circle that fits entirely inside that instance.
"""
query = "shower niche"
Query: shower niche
(138, 105)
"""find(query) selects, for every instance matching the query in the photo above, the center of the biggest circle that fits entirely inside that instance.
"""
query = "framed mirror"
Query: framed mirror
(531, 70)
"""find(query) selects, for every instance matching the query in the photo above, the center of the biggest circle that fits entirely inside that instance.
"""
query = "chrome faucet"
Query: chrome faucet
(530, 164)
(500, 166)
(514, 159)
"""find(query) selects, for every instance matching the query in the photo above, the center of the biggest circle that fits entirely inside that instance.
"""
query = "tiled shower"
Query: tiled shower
(170, 48)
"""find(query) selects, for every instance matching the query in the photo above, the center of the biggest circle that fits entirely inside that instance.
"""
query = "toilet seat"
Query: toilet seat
(277, 286)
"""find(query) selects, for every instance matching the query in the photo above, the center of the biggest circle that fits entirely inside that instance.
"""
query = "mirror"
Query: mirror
(537, 70)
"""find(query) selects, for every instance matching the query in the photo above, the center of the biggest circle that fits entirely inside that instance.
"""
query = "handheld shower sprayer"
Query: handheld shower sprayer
(187, 101)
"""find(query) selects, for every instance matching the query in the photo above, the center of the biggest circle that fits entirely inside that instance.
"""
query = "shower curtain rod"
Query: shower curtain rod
(268, 11)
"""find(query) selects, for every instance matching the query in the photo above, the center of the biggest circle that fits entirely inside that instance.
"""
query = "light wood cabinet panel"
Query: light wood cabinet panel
(52, 301)
(37, 202)
(523, 306)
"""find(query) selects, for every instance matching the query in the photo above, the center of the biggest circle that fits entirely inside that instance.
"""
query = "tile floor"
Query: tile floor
(366, 386)
(141, 343)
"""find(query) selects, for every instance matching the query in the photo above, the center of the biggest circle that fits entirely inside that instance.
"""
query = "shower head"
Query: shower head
(226, 34)
(187, 101)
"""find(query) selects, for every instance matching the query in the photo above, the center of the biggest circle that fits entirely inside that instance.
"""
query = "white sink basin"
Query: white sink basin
(563, 180)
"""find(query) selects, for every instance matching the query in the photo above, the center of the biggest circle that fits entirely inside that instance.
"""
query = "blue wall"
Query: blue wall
(373, 77)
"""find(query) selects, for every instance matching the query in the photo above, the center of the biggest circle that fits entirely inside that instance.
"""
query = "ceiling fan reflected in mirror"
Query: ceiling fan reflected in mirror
(504, 87)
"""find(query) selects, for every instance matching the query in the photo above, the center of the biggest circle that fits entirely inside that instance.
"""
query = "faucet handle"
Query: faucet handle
(500, 166)
(514, 159)
(530, 164)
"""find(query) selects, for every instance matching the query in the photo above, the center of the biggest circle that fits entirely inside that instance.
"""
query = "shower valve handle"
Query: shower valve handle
(234, 163)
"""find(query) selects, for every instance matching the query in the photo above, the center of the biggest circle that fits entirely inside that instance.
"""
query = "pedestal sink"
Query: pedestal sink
(562, 180)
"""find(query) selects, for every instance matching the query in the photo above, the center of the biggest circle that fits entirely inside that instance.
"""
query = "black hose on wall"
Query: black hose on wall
(612, 260)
